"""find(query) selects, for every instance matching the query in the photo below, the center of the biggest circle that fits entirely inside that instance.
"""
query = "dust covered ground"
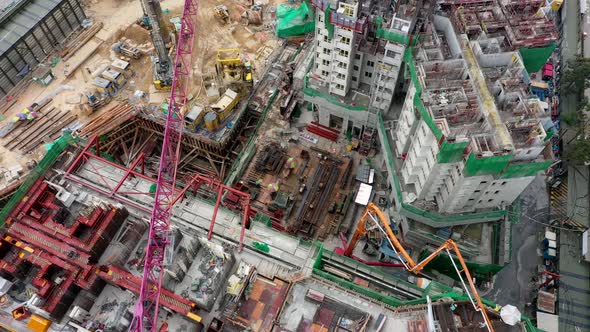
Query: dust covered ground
(119, 18)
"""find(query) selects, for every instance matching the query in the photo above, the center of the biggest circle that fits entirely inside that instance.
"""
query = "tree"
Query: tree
(578, 151)
(576, 76)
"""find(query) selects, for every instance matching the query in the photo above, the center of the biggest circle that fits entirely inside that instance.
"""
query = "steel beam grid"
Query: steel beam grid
(113, 192)
(193, 184)
(146, 312)
(196, 182)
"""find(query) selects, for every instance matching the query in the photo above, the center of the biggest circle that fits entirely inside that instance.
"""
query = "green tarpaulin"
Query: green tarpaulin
(535, 58)
(294, 21)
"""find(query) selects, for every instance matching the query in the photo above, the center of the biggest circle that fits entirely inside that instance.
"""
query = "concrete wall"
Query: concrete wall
(443, 24)
(327, 109)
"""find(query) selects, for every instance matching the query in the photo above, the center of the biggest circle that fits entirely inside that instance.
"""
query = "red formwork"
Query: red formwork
(125, 279)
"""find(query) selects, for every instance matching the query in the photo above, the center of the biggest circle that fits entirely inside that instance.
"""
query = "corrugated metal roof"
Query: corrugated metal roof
(20, 22)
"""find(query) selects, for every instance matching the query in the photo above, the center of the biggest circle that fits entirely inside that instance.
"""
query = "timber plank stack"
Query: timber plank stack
(74, 44)
(44, 129)
(108, 120)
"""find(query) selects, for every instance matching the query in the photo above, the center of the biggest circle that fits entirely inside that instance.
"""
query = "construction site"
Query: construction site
(268, 165)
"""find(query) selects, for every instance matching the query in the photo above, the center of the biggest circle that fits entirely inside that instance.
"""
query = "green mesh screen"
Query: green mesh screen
(410, 210)
(329, 26)
(393, 36)
(294, 21)
(52, 154)
(451, 152)
(426, 117)
(528, 169)
(411, 67)
(535, 58)
(487, 165)
(442, 264)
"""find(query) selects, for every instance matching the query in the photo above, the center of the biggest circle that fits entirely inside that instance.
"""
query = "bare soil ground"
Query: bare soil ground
(119, 17)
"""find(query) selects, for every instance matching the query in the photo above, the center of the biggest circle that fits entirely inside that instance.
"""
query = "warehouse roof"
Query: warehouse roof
(18, 20)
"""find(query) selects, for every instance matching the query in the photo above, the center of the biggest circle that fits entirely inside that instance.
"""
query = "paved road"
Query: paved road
(574, 290)
(525, 256)
(574, 284)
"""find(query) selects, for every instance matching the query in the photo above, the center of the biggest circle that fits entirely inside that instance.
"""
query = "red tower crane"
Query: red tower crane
(146, 312)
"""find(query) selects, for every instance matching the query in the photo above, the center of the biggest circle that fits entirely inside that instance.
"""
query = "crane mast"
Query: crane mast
(382, 223)
(161, 62)
(146, 311)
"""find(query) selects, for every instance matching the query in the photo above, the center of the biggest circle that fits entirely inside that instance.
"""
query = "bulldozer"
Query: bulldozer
(222, 13)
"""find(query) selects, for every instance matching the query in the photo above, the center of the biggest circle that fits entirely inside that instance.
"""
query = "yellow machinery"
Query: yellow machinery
(222, 13)
(226, 104)
(213, 114)
(375, 216)
(232, 70)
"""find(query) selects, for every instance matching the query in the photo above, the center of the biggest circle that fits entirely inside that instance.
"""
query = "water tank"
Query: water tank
(211, 121)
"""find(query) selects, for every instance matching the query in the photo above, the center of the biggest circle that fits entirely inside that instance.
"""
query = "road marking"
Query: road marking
(573, 303)
(572, 288)
(574, 275)
(573, 323)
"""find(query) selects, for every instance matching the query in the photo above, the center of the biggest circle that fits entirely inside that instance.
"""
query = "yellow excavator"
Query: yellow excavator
(375, 216)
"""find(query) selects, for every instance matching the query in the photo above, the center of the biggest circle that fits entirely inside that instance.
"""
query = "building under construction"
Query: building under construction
(268, 192)
(69, 249)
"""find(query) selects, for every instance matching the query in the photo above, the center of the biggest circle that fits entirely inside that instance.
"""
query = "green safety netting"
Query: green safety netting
(442, 264)
(329, 26)
(493, 165)
(451, 152)
(535, 58)
(294, 21)
(426, 117)
(528, 169)
(393, 36)
(412, 211)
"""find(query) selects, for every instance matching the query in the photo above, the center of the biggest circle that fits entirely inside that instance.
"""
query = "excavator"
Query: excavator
(373, 218)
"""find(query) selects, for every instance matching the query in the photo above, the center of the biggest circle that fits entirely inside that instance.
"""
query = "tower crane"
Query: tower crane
(377, 220)
(146, 311)
(161, 62)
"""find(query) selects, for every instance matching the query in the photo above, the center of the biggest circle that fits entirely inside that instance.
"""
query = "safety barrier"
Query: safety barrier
(50, 157)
